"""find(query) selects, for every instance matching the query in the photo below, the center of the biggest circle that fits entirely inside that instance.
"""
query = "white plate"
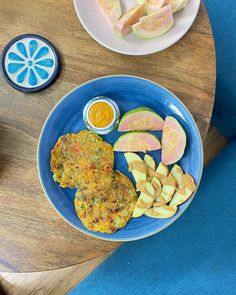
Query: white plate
(97, 25)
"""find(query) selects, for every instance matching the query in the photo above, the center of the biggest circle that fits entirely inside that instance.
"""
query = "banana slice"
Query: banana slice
(169, 186)
(145, 199)
(177, 172)
(162, 212)
(150, 163)
(185, 190)
(136, 166)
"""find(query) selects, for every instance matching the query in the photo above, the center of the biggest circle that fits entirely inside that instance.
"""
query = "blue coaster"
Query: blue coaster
(30, 63)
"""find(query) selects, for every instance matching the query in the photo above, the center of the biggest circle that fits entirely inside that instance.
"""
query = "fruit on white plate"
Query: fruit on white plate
(173, 141)
(141, 119)
(137, 142)
(154, 5)
(112, 9)
(136, 166)
(177, 4)
(155, 24)
(123, 25)
(165, 211)
(145, 200)
(185, 190)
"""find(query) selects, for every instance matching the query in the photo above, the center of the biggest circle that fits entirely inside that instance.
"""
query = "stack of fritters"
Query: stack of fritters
(108, 210)
(105, 199)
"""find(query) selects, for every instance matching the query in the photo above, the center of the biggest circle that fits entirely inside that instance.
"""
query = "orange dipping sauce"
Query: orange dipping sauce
(101, 114)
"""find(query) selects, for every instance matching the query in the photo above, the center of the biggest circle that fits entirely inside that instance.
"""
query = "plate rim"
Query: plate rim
(134, 53)
(91, 234)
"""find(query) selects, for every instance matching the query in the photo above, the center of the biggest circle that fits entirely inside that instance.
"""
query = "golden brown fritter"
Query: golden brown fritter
(82, 159)
(109, 210)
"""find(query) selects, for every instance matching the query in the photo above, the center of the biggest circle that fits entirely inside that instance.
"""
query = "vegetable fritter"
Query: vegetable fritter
(109, 210)
(79, 160)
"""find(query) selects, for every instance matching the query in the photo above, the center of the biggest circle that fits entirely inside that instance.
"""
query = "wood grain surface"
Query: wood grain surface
(32, 236)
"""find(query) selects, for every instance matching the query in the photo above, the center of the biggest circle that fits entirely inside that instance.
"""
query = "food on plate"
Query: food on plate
(106, 199)
(185, 190)
(145, 199)
(173, 141)
(76, 159)
(137, 142)
(177, 4)
(141, 119)
(123, 25)
(110, 209)
(147, 19)
(177, 172)
(155, 182)
(101, 115)
(169, 186)
(154, 5)
(136, 166)
(150, 164)
(161, 191)
(165, 211)
(155, 24)
(112, 9)
(149, 161)
(162, 171)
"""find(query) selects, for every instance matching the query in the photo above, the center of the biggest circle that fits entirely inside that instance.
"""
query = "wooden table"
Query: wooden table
(33, 237)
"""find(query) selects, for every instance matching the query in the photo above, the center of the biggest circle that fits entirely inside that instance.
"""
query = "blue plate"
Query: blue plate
(129, 92)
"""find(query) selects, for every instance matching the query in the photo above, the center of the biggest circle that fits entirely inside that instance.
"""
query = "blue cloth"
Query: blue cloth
(223, 20)
(195, 255)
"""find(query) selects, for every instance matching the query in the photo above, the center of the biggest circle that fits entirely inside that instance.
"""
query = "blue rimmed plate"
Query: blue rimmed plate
(129, 92)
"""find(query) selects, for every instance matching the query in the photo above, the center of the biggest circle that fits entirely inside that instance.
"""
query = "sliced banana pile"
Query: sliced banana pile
(161, 190)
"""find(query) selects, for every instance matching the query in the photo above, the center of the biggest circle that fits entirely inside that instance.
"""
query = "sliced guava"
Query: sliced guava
(173, 141)
(112, 9)
(141, 119)
(177, 4)
(154, 5)
(141, 1)
(155, 24)
(137, 142)
(123, 25)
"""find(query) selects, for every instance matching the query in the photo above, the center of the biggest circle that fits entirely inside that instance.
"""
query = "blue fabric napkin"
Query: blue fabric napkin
(195, 255)
(223, 20)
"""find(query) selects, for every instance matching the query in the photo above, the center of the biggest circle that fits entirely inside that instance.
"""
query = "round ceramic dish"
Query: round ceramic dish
(96, 24)
(113, 125)
(30, 63)
(128, 92)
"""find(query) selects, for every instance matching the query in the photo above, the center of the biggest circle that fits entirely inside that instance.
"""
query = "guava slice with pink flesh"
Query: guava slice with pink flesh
(137, 142)
(155, 24)
(173, 141)
(141, 119)
(177, 4)
(154, 5)
(123, 25)
(112, 9)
